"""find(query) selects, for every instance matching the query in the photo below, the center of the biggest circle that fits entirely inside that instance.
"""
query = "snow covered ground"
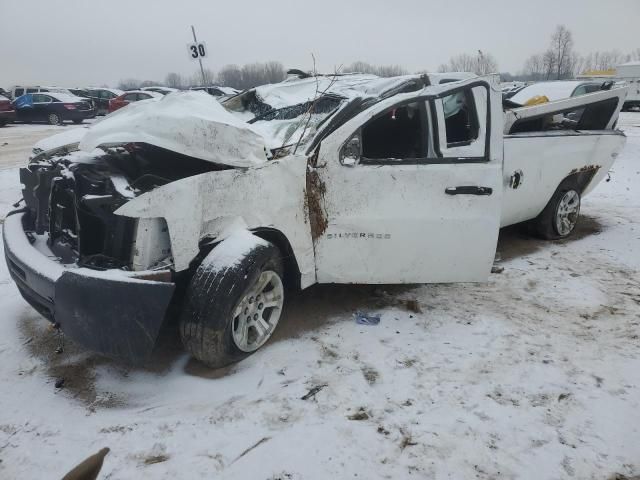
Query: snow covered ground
(533, 375)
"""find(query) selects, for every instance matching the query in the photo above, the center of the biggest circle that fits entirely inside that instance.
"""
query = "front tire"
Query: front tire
(560, 217)
(233, 306)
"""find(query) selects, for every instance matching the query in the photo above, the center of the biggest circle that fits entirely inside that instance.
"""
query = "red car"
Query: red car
(7, 113)
(128, 97)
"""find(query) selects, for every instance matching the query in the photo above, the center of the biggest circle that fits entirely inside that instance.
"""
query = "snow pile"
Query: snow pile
(190, 123)
(233, 249)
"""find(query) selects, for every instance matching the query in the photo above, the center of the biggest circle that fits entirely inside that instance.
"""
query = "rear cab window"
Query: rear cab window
(461, 119)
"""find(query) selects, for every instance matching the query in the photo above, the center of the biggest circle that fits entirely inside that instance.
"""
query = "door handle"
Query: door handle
(468, 190)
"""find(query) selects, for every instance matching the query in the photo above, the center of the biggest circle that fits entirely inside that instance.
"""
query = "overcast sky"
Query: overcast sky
(83, 42)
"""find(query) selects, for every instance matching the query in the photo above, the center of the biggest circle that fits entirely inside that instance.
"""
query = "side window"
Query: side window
(581, 90)
(460, 118)
(131, 97)
(32, 90)
(39, 98)
(462, 123)
(396, 134)
(143, 96)
(19, 91)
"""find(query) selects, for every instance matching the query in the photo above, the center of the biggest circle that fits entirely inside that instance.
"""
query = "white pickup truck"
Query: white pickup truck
(217, 210)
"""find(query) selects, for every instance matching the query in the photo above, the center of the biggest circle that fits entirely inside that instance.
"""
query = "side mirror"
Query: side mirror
(351, 151)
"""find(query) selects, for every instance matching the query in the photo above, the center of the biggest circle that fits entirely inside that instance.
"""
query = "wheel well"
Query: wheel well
(580, 180)
(289, 262)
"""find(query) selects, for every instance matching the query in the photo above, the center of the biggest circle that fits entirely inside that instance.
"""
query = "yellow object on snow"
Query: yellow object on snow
(537, 100)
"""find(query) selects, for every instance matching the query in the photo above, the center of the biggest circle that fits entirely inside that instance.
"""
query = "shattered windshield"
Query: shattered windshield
(295, 124)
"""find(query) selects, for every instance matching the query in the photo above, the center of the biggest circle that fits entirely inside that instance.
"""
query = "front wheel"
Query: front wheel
(233, 302)
(560, 216)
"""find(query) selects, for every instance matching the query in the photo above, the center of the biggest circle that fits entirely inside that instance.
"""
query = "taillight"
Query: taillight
(69, 106)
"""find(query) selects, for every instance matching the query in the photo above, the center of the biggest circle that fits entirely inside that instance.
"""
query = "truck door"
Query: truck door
(411, 191)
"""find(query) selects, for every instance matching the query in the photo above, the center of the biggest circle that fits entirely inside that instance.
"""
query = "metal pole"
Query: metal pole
(195, 40)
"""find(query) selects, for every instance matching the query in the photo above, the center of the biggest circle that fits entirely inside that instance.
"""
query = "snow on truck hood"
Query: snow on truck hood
(190, 123)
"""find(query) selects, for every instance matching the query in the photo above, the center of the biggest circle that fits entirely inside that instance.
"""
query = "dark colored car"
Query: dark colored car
(128, 97)
(7, 112)
(53, 108)
(101, 98)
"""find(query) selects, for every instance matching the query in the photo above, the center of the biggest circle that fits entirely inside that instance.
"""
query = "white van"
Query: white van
(18, 90)
(630, 73)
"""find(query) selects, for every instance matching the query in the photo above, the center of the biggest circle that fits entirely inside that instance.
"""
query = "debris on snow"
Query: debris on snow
(365, 318)
(313, 391)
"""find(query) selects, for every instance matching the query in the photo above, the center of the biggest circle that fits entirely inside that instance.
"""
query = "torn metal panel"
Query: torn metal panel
(315, 192)
(522, 113)
(211, 205)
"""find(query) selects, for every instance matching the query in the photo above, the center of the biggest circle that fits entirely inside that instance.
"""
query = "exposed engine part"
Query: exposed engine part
(73, 202)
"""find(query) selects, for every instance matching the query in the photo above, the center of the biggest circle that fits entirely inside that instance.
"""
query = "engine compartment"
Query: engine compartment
(71, 199)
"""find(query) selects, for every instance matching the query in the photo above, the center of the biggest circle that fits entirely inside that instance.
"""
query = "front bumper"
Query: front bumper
(110, 312)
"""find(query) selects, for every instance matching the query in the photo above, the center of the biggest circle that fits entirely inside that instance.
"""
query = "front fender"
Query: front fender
(214, 204)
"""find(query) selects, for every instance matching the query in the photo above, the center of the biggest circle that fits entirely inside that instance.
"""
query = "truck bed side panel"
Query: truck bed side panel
(547, 158)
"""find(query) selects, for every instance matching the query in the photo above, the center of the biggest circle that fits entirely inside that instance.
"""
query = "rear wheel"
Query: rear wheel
(54, 119)
(560, 216)
(233, 303)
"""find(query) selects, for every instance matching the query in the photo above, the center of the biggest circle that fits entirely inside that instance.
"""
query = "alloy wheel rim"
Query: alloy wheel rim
(567, 213)
(258, 312)
(53, 119)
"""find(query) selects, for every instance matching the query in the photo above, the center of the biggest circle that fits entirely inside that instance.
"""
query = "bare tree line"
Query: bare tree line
(379, 70)
(480, 64)
(240, 77)
(559, 61)
(251, 75)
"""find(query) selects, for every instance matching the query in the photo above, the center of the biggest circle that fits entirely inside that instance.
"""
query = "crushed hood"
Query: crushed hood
(190, 123)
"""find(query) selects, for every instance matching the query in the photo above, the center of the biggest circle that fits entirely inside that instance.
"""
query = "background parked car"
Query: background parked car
(7, 112)
(101, 98)
(134, 96)
(53, 108)
(558, 90)
(217, 91)
(162, 90)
